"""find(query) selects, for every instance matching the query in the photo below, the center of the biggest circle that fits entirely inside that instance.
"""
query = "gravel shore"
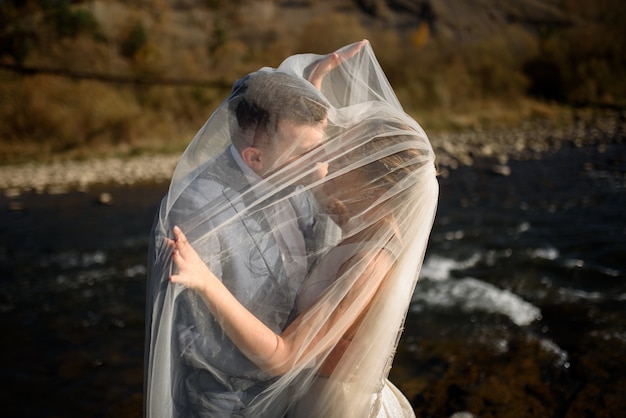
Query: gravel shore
(494, 147)
(63, 176)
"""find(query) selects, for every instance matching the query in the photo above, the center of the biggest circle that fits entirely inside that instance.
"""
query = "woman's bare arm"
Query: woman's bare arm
(276, 354)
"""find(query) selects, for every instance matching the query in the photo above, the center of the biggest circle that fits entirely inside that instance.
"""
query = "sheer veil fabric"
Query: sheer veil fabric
(324, 246)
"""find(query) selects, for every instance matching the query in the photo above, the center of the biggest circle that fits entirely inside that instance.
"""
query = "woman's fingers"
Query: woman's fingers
(179, 237)
(350, 52)
(178, 258)
(192, 271)
(332, 61)
(179, 254)
(181, 245)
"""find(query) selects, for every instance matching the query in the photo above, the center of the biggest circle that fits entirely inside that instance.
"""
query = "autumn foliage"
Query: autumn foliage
(96, 75)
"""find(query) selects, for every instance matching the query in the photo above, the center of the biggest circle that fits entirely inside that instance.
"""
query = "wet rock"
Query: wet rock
(57, 189)
(501, 170)
(105, 198)
(462, 414)
(448, 376)
(529, 376)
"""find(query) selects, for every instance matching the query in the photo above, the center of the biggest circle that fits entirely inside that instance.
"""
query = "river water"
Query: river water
(520, 310)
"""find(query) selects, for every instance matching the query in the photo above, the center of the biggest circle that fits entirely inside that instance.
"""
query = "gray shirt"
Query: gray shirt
(242, 243)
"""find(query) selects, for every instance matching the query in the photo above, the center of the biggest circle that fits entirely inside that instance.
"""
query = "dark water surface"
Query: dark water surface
(521, 309)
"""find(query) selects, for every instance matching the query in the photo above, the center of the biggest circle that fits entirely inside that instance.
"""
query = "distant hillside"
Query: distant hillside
(78, 75)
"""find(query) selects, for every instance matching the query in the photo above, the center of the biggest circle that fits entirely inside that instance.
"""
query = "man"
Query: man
(245, 216)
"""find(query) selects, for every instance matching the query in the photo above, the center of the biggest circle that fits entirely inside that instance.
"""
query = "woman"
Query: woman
(373, 184)
(335, 348)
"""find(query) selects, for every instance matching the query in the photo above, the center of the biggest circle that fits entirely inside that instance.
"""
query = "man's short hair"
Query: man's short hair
(262, 100)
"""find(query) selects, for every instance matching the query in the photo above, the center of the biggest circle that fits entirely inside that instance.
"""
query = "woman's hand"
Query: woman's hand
(258, 342)
(192, 271)
(330, 62)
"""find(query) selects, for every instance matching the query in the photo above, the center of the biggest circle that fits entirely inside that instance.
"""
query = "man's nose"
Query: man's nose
(319, 173)
(321, 170)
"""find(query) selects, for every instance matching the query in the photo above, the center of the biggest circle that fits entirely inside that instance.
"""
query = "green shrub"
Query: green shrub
(17, 42)
(134, 41)
(69, 22)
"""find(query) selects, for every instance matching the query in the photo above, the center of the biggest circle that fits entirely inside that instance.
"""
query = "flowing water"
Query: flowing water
(520, 310)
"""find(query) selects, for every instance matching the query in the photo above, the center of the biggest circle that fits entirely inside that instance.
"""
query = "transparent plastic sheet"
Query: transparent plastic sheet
(320, 238)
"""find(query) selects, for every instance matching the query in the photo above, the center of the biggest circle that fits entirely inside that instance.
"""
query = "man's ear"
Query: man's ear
(252, 157)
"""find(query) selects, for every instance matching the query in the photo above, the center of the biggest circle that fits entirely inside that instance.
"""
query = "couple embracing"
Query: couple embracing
(285, 254)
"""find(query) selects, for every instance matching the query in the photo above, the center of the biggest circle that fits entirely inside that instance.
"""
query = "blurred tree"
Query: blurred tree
(134, 40)
(18, 31)
(219, 35)
(16, 43)
(545, 79)
(69, 22)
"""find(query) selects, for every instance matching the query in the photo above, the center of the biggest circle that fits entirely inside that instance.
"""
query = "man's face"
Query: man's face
(291, 142)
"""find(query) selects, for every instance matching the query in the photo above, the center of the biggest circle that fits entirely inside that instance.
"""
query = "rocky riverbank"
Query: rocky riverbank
(493, 147)
(62, 176)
